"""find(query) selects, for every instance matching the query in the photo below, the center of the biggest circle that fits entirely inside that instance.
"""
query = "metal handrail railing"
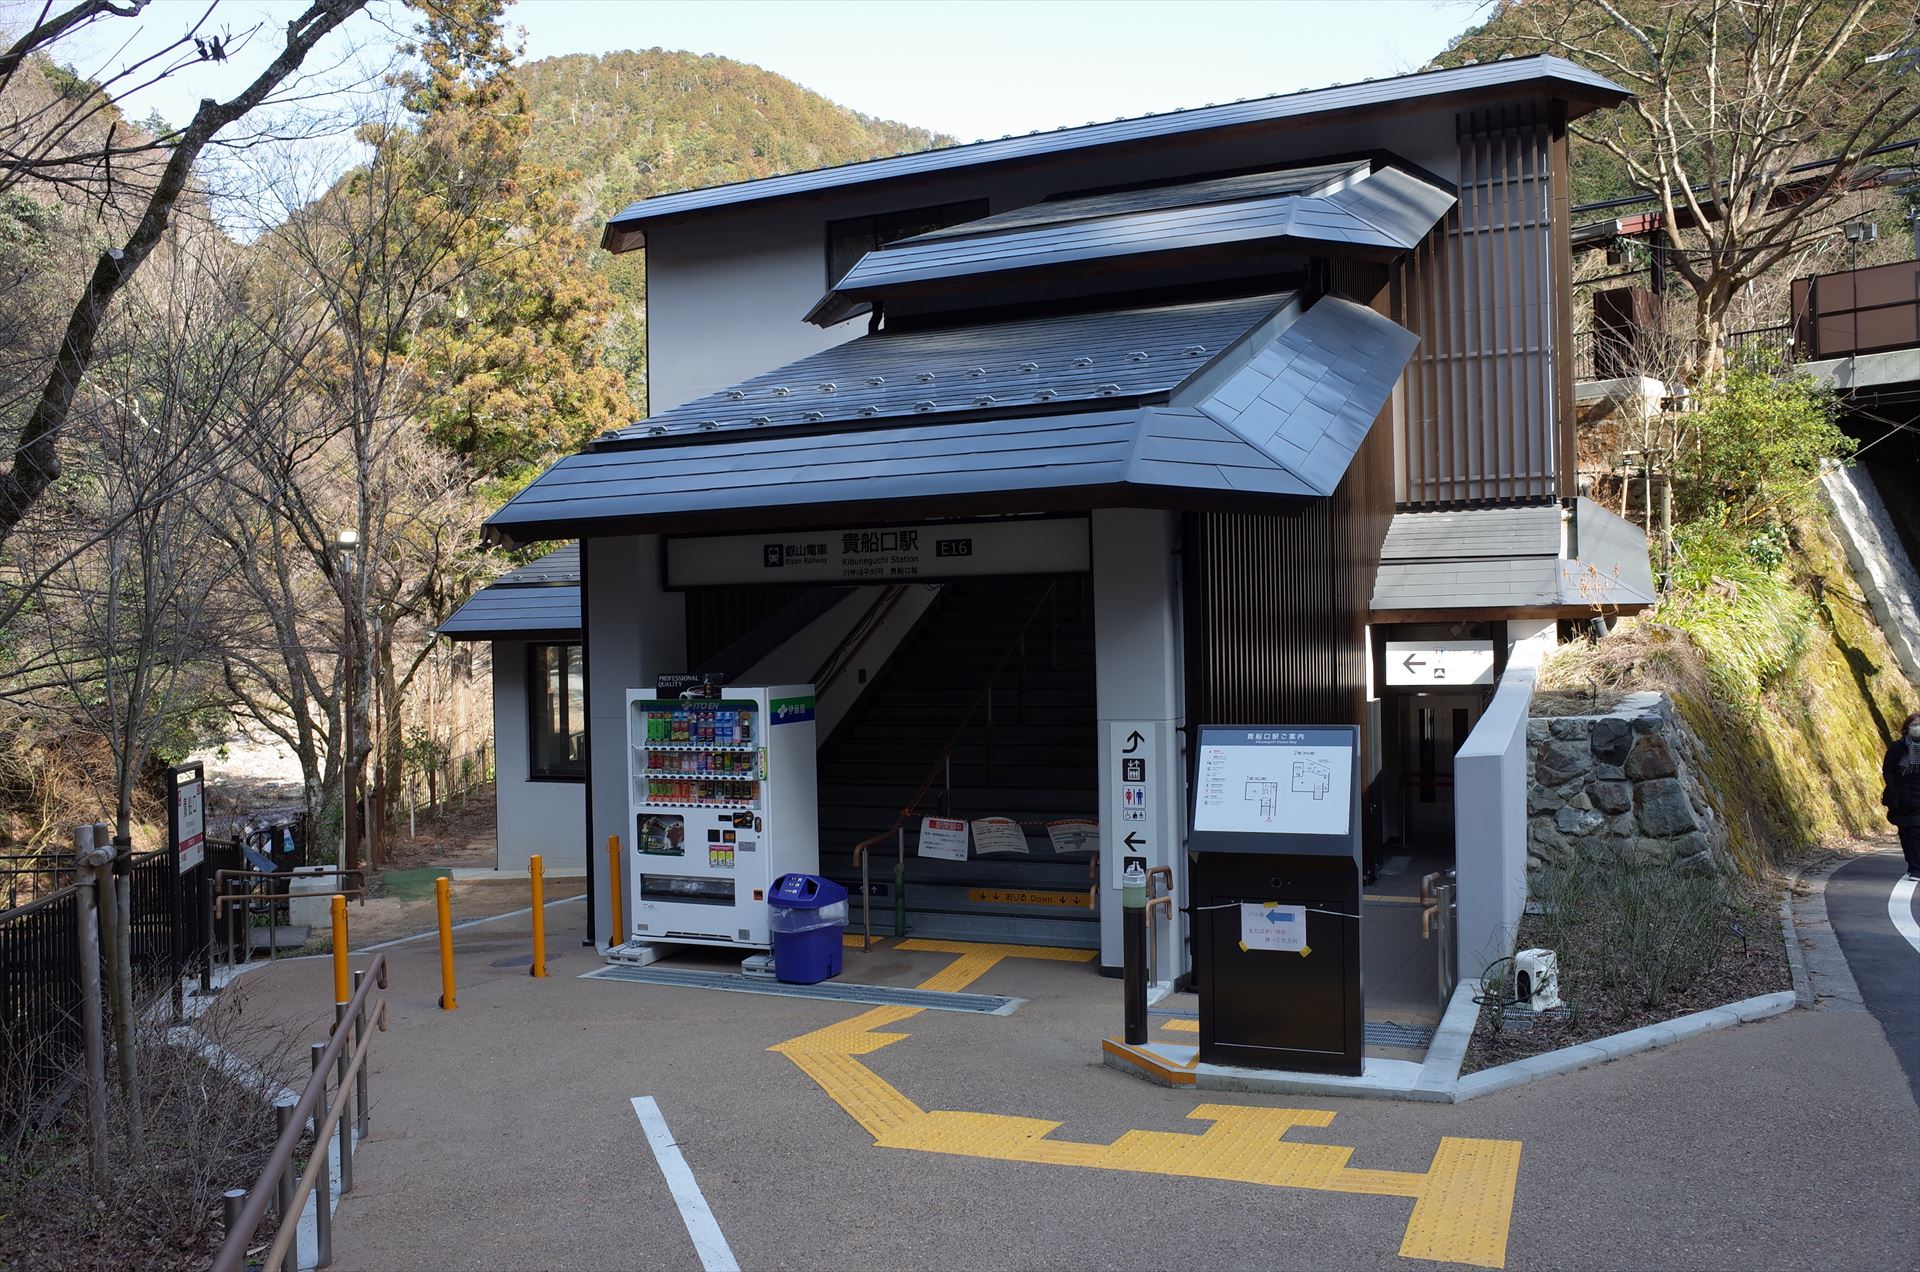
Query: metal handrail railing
(837, 662)
(942, 763)
(311, 1104)
(220, 898)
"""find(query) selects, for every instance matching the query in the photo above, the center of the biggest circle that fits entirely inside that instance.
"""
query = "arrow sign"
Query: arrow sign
(1133, 742)
(1411, 665)
(1133, 840)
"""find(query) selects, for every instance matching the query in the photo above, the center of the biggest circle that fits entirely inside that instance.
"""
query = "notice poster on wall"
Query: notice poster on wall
(1273, 927)
(1074, 834)
(1001, 835)
(944, 838)
(1274, 782)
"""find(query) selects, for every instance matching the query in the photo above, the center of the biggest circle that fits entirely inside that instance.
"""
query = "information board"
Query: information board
(186, 814)
(1274, 782)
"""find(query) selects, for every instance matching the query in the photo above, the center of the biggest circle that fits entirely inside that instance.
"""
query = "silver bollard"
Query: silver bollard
(230, 1202)
(344, 1094)
(322, 1189)
(366, 1063)
(285, 1185)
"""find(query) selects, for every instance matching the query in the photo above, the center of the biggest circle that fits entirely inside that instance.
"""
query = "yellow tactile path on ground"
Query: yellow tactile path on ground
(1463, 1201)
(1180, 1024)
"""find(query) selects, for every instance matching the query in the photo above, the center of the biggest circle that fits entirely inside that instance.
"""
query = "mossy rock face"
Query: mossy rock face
(1788, 693)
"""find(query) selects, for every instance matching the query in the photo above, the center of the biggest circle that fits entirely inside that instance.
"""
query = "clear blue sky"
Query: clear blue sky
(979, 69)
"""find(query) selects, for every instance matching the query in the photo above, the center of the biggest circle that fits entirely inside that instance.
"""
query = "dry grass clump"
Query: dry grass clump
(209, 1127)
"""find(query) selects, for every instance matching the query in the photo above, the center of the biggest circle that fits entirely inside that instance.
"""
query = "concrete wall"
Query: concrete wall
(1140, 676)
(1878, 558)
(726, 290)
(794, 662)
(545, 817)
(1490, 823)
(635, 631)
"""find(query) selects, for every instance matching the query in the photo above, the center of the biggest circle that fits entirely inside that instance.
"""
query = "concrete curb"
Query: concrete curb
(1438, 1080)
(1617, 1046)
(1821, 975)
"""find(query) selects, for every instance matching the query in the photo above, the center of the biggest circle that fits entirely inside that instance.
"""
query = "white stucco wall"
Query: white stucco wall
(1490, 821)
(635, 631)
(726, 289)
(1138, 676)
(545, 817)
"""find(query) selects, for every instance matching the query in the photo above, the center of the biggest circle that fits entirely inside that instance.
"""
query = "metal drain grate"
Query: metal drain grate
(827, 991)
(1384, 1033)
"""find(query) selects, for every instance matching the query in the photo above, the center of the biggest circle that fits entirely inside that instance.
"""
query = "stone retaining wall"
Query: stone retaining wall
(1617, 788)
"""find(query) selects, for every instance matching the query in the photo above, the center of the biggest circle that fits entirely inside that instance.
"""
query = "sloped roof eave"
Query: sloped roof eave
(1583, 89)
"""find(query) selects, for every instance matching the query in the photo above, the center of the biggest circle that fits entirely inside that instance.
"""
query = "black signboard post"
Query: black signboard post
(1275, 870)
(186, 852)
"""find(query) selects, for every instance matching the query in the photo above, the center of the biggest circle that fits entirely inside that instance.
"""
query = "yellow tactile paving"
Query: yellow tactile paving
(1180, 1024)
(1463, 1216)
(973, 948)
(1463, 1201)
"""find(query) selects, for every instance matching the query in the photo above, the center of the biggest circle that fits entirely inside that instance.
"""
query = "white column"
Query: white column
(1140, 677)
(635, 631)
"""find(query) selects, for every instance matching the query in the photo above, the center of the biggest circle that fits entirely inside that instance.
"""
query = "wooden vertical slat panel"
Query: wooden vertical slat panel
(1560, 263)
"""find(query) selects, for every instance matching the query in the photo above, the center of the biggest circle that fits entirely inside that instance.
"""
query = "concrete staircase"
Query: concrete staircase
(1026, 752)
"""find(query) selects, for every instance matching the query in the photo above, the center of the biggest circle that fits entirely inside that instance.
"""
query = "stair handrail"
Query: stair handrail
(941, 762)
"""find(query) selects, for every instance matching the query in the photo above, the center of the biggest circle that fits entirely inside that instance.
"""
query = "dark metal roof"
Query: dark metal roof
(1509, 559)
(1384, 214)
(1250, 185)
(537, 601)
(1553, 75)
(1309, 397)
(1333, 367)
(562, 565)
(1005, 367)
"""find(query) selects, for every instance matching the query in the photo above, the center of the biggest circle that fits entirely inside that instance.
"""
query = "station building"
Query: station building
(1030, 452)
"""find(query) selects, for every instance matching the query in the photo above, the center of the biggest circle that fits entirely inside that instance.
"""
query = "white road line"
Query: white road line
(1900, 910)
(708, 1243)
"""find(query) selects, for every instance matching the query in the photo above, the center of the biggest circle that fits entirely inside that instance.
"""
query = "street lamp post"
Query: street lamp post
(347, 541)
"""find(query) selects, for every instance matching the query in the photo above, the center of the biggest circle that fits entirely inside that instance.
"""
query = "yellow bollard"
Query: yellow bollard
(342, 978)
(534, 869)
(443, 901)
(617, 936)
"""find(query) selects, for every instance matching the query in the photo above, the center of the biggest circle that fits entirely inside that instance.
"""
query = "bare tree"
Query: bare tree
(34, 448)
(1738, 105)
(127, 600)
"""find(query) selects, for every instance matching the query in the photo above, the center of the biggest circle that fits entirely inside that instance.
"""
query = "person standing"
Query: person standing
(1902, 797)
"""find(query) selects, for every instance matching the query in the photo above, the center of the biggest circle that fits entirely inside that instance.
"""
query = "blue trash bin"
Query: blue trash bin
(807, 919)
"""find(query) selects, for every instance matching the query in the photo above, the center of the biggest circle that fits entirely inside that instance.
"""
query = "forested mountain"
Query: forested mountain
(631, 124)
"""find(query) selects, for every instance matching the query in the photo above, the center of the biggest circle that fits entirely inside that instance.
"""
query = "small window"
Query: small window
(849, 240)
(557, 712)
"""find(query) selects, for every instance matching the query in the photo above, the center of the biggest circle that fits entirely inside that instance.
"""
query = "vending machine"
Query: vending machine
(722, 793)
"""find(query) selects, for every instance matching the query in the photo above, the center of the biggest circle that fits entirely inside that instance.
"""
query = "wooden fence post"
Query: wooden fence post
(86, 863)
(119, 952)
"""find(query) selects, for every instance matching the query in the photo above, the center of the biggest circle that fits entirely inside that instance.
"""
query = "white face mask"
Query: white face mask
(1914, 733)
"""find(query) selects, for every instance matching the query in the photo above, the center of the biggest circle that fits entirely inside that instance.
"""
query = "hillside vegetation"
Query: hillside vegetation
(634, 124)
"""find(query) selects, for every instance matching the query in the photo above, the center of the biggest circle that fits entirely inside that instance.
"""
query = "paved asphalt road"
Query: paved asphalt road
(1886, 966)
(504, 1136)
